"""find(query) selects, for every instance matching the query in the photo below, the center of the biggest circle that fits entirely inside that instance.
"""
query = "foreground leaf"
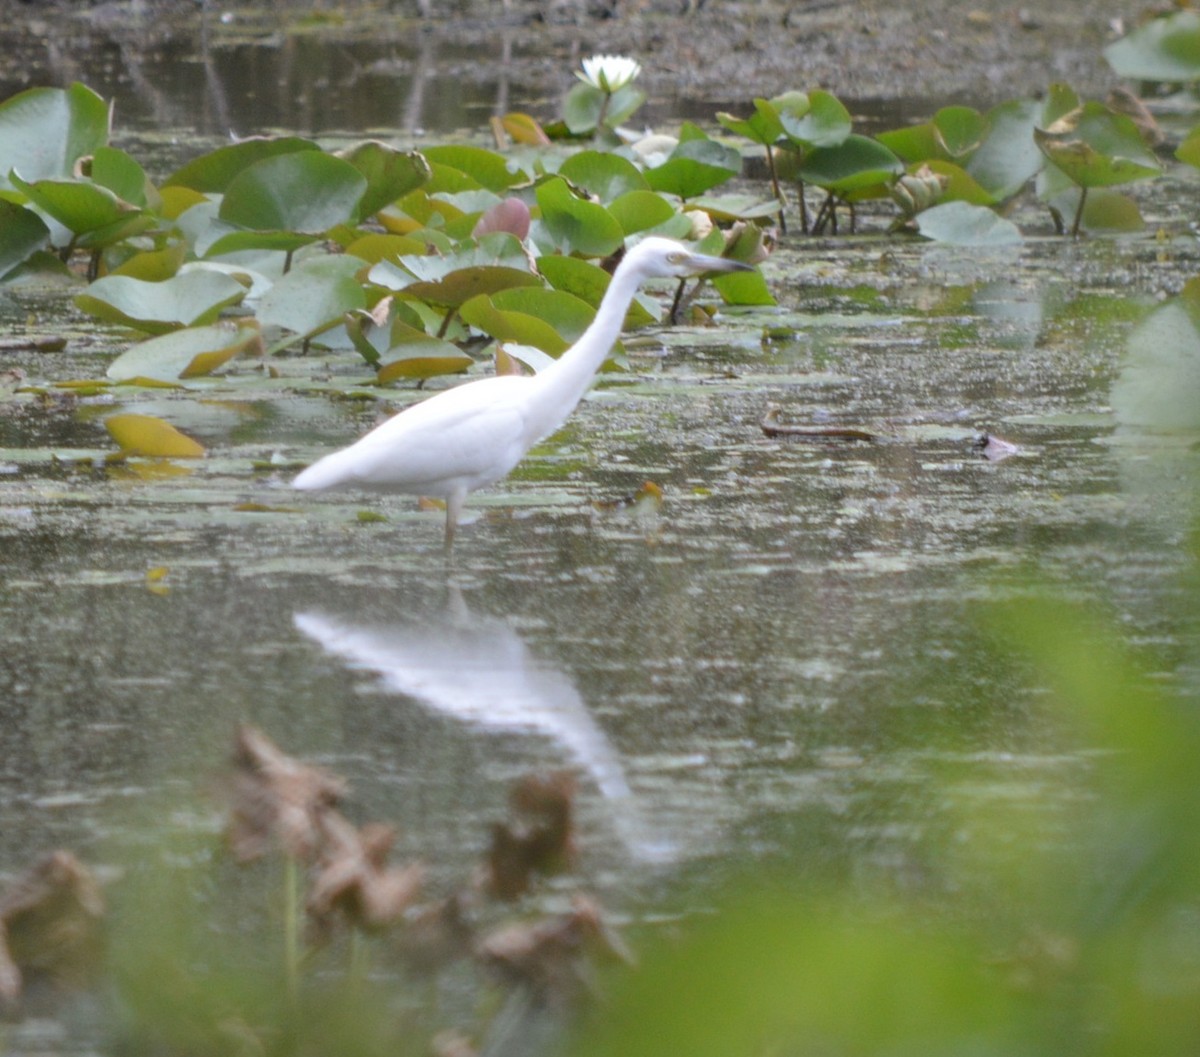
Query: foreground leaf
(303, 191)
(45, 131)
(181, 301)
(153, 437)
(22, 233)
(186, 353)
(962, 224)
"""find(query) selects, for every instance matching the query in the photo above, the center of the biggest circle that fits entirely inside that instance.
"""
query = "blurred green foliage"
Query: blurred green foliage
(1091, 946)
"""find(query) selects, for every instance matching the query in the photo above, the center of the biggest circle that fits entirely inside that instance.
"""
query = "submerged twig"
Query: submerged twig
(773, 428)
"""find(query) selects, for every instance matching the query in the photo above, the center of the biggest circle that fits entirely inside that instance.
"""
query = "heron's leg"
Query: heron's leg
(454, 505)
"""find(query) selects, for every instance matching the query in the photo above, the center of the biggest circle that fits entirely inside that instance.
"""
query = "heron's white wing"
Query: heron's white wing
(470, 435)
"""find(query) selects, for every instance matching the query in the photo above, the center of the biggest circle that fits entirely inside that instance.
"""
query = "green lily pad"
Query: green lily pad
(1162, 49)
(302, 191)
(1189, 150)
(589, 282)
(81, 206)
(314, 295)
(727, 208)
(485, 167)
(855, 164)
(376, 246)
(390, 174)
(576, 225)
(607, 176)
(696, 165)
(153, 265)
(22, 233)
(423, 358)
(188, 353)
(522, 327)
(151, 436)
(496, 262)
(45, 131)
(1095, 147)
(213, 172)
(960, 185)
(763, 126)
(963, 224)
(271, 241)
(743, 288)
(641, 210)
(813, 119)
(584, 107)
(181, 301)
(1008, 158)
(1105, 210)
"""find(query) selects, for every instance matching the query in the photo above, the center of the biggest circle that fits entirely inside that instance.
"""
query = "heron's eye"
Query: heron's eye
(676, 258)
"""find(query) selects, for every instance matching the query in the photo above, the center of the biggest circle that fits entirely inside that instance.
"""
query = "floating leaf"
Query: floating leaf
(302, 191)
(213, 172)
(959, 185)
(497, 261)
(160, 307)
(45, 131)
(186, 353)
(607, 176)
(726, 208)
(93, 214)
(641, 210)
(743, 288)
(248, 241)
(763, 126)
(586, 107)
(855, 164)
(314, 295)
(963, 224)
(577, 226)
(121, 174)
(389, 173)
(377, 246)
(429, 358)
(1161, 49)
(487, 168)
(696, 165)
(511, 325)
(815, 119)
(150, 436)
(153, 265)
(1008, 158)
(589, 282)
(22, 233)
(1095, 147)
(1189, 150)
(1104, 210)
(1158, 387)
(524, 130)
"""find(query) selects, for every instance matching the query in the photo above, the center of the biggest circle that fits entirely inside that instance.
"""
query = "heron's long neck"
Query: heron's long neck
(562, 384)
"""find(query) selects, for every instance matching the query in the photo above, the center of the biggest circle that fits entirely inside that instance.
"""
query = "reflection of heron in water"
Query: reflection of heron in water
(477, 669)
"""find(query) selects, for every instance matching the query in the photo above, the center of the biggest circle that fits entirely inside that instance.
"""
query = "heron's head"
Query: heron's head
(658, 258)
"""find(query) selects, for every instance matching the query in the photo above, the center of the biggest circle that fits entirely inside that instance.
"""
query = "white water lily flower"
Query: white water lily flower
(609, 73)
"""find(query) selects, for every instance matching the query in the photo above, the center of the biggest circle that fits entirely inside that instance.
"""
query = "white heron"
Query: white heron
(469, 436)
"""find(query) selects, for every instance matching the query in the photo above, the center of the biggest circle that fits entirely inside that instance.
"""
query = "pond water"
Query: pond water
(774, 661)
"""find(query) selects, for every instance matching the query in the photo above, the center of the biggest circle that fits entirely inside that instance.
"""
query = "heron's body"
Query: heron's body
(474, 434)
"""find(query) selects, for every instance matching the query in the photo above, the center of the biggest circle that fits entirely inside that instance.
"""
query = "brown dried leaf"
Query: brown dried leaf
(277, 799)
(354, 879)
(540, 841)
(550, 956)
(438, 933)
(51, 918)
